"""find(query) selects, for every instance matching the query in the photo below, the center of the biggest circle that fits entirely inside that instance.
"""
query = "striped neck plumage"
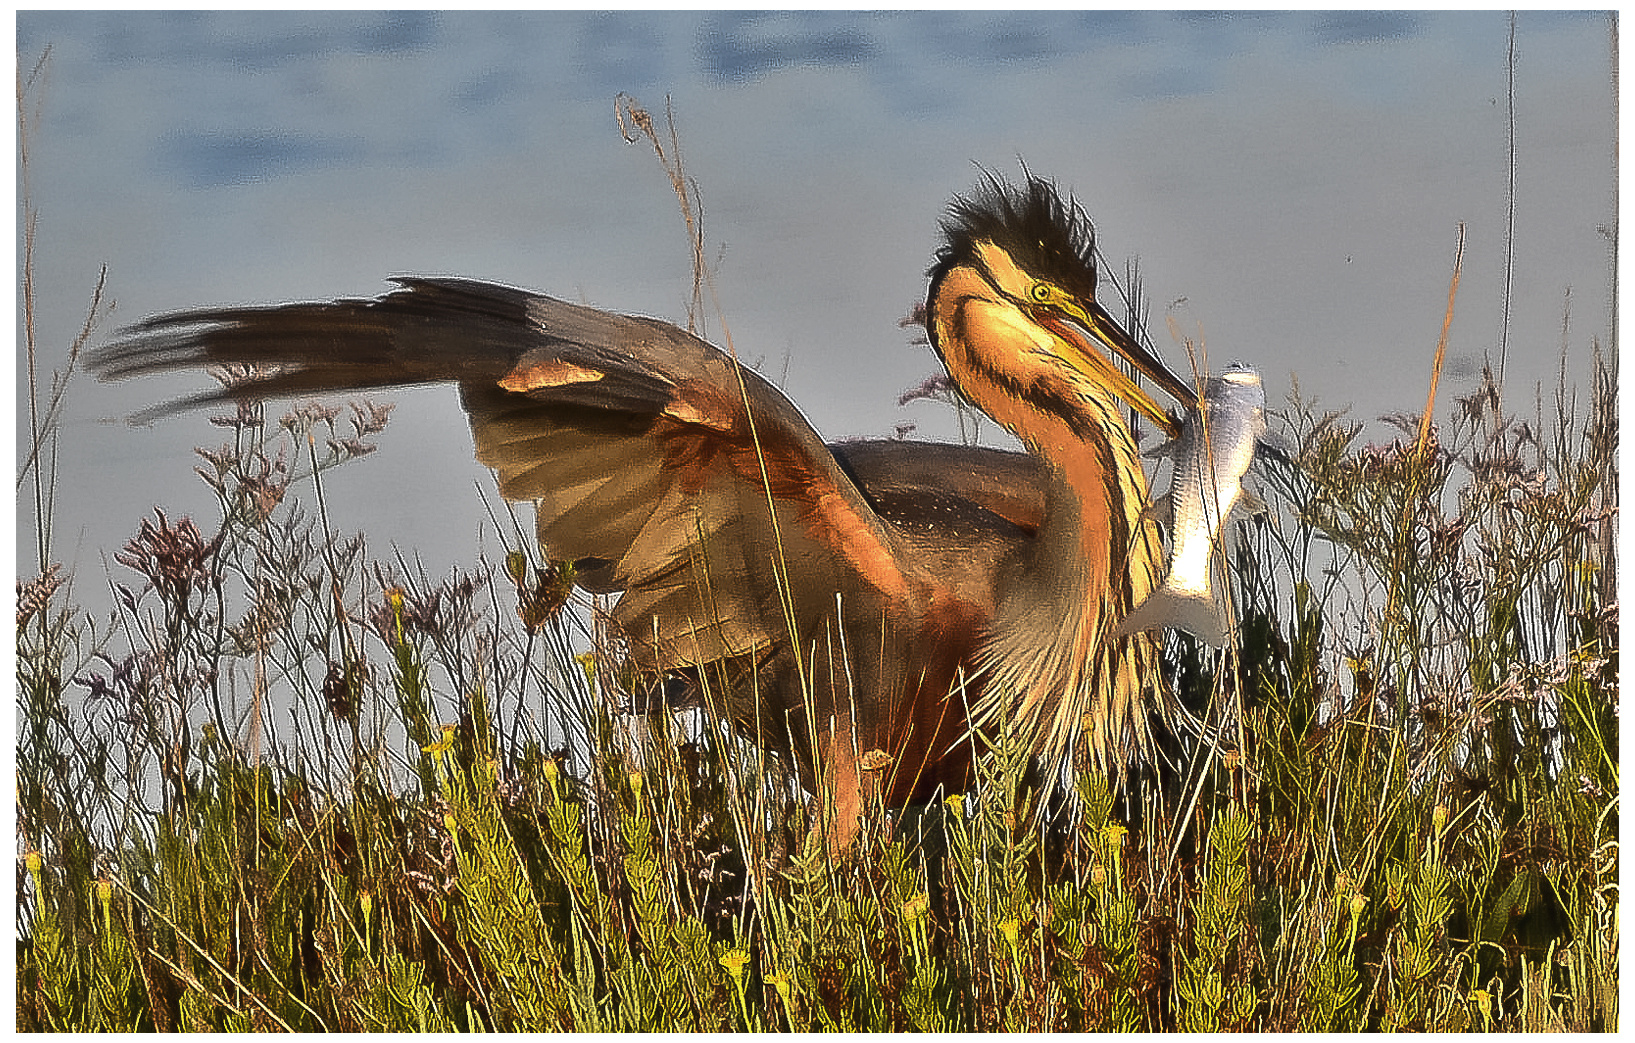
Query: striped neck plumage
(1052, 661)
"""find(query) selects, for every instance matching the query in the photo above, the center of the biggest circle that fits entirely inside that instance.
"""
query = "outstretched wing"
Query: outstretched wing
(662, 468)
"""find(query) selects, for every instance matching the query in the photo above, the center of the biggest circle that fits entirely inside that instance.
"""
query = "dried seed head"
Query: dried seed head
(176, 560)
(343, 689)
(33, 596)
(874, 760)
(369, 418)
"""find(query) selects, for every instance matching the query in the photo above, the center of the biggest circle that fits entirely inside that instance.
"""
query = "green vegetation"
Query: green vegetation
(1404, 814)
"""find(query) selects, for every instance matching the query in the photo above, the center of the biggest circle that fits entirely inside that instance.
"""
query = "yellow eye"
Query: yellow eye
(1041, 292)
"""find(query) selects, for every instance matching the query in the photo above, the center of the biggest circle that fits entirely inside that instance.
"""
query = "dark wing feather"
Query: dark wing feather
(1008, 485)
(633, 435)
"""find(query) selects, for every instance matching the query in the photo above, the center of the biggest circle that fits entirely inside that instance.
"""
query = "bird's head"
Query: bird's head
(1013, 300)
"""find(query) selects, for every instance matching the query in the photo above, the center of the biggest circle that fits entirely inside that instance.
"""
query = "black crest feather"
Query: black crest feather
(1048, 236)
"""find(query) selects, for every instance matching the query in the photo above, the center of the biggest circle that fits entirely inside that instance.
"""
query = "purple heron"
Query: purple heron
(861, 597)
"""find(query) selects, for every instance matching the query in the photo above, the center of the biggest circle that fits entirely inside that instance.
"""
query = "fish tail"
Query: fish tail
(1200, 614)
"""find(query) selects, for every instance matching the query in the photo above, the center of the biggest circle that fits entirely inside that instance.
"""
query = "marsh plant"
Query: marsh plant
(289, 785)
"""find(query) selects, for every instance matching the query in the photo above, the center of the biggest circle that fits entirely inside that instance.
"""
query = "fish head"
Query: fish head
(1237, 381)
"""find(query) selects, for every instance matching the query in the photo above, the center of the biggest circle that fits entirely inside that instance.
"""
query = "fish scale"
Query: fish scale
(1210, 458)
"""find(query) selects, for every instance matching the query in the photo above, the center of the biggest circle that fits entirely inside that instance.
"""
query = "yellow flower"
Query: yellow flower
(735, 960)
(516, 566)
(956, 804)
(916, 907)
(1342, 889)
(1113, 834)
(1484, 1003)
(782, 984)
(444, 744)
(1011, 929)
(105, 897)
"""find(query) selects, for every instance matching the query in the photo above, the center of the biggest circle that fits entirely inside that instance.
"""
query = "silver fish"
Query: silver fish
(1207, 488)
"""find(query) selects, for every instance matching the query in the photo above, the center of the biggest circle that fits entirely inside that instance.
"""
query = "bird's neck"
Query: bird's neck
(1054, 660)
(1094, 545)
(1052, 664)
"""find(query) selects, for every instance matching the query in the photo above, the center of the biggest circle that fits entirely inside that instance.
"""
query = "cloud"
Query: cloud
(738, 48)
(213, 159)
(243, 40)
(1343, 27)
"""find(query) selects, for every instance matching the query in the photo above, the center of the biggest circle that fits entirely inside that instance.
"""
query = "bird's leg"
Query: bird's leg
(839, 800)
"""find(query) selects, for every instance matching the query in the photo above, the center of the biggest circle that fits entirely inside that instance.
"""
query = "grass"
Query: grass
(451, 821)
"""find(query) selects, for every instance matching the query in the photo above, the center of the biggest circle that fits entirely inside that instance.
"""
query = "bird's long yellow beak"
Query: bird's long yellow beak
(1089, 320)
